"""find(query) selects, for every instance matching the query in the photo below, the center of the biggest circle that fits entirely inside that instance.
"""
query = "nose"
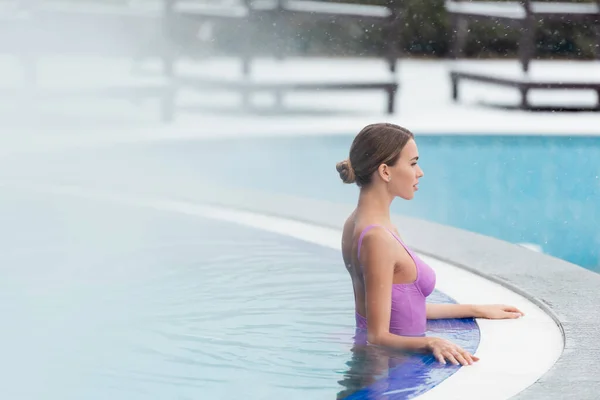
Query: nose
(420, 173)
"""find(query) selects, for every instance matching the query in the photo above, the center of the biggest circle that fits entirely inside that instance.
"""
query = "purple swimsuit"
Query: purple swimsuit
(408, 314)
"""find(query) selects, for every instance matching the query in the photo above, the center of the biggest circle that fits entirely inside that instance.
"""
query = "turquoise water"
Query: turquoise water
(540, 190)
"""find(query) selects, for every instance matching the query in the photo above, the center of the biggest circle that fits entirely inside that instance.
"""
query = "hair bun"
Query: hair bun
(346, 171)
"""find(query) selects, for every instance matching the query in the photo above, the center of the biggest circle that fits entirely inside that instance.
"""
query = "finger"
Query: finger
(512, 315)
(467, 356)
(473, 358)
(513, 309)
(459, 357)
(439, 357)
(451, 358)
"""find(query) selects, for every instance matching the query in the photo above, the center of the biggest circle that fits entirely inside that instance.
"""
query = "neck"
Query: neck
(376, 202)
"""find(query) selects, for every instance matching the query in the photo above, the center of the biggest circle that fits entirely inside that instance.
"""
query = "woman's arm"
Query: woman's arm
(378, 269)
(378, 262)
(442, 311)
(492, 311)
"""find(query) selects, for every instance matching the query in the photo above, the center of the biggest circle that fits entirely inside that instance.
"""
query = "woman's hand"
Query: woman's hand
(443, 350)
(497, 311)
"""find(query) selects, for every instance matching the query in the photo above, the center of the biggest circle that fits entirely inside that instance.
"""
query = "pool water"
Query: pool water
(102, 300)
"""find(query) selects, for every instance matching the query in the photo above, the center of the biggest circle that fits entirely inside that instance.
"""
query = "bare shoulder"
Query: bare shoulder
(376, 246)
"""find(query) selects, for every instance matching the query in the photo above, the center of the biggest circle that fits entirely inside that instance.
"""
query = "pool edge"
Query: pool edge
(535, 276)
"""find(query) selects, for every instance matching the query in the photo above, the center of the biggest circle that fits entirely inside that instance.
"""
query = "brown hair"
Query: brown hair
(374, 145)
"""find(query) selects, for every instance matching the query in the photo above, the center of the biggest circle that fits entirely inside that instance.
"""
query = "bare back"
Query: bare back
(404, 268)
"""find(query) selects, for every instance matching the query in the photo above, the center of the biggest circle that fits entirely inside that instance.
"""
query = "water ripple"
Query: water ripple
(155, 305)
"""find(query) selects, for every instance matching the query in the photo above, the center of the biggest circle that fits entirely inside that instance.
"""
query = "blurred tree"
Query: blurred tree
(426, 33)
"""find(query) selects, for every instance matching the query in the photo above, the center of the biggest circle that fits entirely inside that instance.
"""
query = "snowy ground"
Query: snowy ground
(424, 103)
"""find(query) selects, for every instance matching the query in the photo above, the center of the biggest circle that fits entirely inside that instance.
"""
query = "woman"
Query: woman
(390, 282)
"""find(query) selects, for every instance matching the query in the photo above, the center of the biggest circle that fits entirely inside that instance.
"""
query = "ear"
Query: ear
(384, 172)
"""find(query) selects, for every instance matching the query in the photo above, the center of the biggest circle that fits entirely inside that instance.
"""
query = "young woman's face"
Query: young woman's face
(404, 176)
